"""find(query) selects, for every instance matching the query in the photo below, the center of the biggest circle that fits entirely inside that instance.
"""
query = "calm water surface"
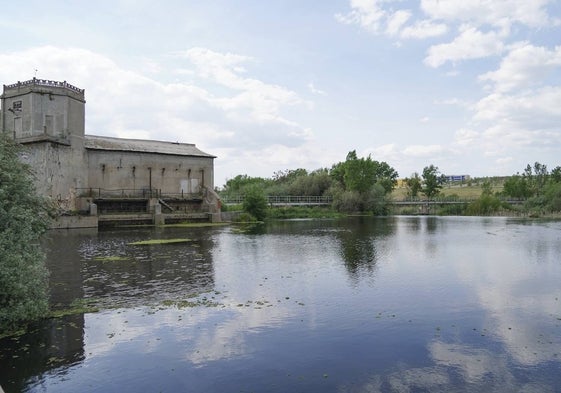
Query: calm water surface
(401, 304)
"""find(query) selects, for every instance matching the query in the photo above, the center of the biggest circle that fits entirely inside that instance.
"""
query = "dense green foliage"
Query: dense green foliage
(432, 181)
(23, 218)
(355, 185)
(540, 188)
(255, 202)
(361, 185)
(364, 185)
(414, 185)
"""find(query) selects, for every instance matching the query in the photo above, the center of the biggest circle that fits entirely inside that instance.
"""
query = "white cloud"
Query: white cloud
(495, 13)
(261, 101)
(419, 151)
(504, 161)
(373, 17)
(540, 108)
(466, 137)
(524, 66)
(484, 26)
(396, 21)
(368, 14)
(424, 29)
(388, 153)
(315, 90)
(470, 44)
(454, 102)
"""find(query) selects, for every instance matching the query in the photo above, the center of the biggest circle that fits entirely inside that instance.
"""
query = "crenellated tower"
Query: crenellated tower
(48, 118)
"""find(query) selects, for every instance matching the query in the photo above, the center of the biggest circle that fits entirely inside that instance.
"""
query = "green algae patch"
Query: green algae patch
(114, 258)
(190, 303)
(158, 241)
(195, 224)
(78, 306)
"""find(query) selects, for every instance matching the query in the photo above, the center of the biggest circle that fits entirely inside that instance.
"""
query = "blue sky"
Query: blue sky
(473, 87)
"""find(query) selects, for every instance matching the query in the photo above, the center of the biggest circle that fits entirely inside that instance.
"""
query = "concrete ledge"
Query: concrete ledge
(69, 222)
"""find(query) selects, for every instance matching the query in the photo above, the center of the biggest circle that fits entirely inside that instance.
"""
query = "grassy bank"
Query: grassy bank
(462, 192)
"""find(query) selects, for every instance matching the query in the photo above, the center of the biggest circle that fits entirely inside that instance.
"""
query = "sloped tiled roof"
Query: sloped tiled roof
(94, 142)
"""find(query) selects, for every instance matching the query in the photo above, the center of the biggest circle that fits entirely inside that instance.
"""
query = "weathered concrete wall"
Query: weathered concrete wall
(67, 222)
(59, 170)
(171, 174)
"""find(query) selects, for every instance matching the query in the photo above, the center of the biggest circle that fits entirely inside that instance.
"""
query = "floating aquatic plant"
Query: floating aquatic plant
(195, 224)
(158, 241)
(114, 258)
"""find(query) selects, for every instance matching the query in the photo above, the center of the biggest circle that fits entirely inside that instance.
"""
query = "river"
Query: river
(362, 304)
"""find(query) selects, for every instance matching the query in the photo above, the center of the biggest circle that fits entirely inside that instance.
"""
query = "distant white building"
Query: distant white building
(456, 178)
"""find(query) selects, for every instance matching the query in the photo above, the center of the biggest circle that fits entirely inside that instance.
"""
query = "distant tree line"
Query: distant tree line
(358, 184)
(539, 187)
(364, 185)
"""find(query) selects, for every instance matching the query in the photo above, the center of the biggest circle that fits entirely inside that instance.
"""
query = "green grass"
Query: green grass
(463, 192)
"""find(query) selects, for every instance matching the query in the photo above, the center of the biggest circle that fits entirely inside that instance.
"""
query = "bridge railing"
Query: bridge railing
(327, 200)
(299, 200)
(451, 200)
(284, 200)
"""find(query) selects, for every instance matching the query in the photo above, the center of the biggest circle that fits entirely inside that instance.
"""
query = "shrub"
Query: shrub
(255, 202)
(24, 216)
(486, 204)
(553, 197)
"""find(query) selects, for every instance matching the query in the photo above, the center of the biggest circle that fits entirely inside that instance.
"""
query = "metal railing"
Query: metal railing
(327, 200)
(134, 193)
(284, 200)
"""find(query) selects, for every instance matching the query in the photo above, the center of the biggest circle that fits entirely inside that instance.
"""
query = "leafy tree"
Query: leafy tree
(414, 185)
(315, 183)
(553, 197)
(359, 173)
(531, 183)
(239, 184)
(541, 176)
(289, 175)
(432, 181)
(255, 202)
(361, 184)
(24, 217)
(555, 175)
(385, 175)
(517, 186)
(486, 188)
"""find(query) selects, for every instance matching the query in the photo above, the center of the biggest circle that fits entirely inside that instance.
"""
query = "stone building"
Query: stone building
(78, 170)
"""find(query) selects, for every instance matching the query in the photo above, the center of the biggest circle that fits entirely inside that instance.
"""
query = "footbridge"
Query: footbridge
(323, 200)
(286, 200)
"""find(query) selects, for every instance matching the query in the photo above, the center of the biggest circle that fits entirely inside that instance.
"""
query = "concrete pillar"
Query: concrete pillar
(158, 216)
